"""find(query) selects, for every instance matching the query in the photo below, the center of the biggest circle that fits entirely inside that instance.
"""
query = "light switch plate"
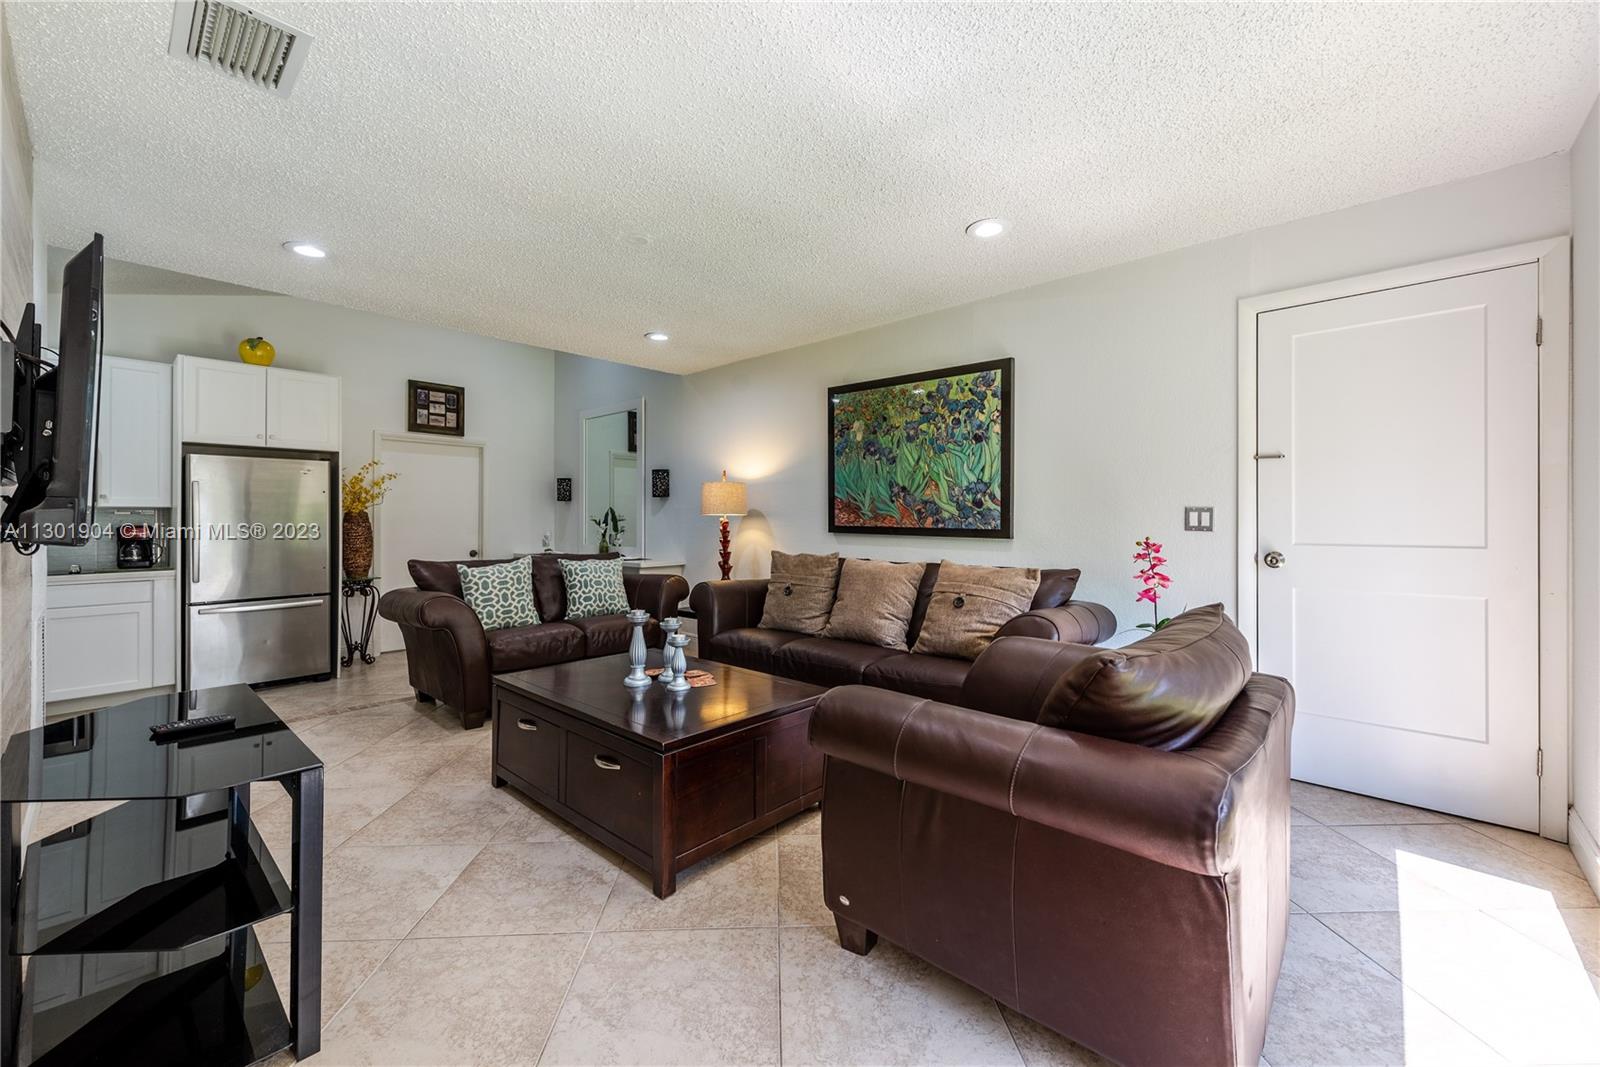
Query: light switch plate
(1197, 519)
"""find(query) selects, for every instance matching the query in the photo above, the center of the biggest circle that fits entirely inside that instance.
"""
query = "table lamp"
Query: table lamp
(722, 499)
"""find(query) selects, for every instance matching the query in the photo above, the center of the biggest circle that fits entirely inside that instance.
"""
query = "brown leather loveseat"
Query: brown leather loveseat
(1133, 898)
(451, 658)
(727, 614)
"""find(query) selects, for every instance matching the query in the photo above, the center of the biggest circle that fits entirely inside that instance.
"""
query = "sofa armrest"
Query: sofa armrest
(729, 605)
(1014, 675)
(1078, 621)
(1169, 807)
(433, 611)
(659, 594)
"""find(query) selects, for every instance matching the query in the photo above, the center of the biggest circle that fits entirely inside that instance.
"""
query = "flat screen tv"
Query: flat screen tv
(55, 412)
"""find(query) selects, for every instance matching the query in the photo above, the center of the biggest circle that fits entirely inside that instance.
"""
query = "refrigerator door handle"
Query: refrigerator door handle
(277, 605)
(194, 532)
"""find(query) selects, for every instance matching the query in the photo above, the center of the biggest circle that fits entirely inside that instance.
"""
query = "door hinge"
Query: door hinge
(1538, 331)
(1538, 767)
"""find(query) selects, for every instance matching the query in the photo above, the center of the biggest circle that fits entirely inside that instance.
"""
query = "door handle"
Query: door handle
(194, 532)
(1274, 559)
(472, 553)
(239, 609)
(606, 763)
(528, 724)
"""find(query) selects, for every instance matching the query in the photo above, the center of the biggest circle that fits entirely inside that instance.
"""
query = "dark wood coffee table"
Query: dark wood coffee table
(667, 779)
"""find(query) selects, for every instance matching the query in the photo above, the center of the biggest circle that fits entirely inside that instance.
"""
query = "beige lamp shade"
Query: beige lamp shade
(722, 498)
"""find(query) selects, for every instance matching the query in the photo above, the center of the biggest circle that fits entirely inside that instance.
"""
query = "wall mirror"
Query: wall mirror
(614, 475)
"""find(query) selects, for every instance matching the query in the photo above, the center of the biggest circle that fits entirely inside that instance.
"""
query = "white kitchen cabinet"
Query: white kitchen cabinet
(109, 634)
(133, 454)
(302, 410)
(222, 403)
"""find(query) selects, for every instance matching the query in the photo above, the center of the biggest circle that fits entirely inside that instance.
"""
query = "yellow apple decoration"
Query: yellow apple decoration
(257, 351)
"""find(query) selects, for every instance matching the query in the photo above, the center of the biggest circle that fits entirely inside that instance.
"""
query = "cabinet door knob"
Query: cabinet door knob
(258, 437)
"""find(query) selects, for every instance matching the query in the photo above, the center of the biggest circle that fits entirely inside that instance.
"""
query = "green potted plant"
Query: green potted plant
(610, 526)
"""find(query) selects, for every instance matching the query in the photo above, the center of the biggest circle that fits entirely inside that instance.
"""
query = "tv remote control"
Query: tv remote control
(171, 731)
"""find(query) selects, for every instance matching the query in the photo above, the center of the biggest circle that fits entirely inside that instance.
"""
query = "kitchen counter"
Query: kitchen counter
(129, 575)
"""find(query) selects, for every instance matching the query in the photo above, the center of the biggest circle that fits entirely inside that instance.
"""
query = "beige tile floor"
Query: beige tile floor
(466, 927)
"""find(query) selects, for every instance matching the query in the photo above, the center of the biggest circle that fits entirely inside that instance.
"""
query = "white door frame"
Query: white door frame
(379, 438)
(584, 416)
(1554, 259)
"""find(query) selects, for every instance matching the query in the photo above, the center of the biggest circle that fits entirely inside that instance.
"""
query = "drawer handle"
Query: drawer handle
(606, 763)
(528, 724)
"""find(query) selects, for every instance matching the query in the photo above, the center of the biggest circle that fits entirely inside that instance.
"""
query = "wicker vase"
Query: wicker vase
(357, 544)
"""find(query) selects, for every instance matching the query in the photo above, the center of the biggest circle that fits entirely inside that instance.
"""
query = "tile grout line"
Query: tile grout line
(1479, 1038)
(354, 992)
(555, 1016)
(777, 936)
(1339, 829)
(1012, 1034)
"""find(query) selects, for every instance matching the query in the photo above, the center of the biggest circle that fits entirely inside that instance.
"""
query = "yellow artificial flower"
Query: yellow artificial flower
(365, 488)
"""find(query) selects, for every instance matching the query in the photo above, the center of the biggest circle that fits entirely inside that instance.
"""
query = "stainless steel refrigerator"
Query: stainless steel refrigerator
(259, 573)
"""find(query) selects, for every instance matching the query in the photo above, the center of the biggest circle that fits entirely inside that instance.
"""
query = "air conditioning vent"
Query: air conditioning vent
(238, 41)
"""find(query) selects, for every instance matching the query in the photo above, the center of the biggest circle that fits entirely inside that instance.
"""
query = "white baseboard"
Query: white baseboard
(1585, 849)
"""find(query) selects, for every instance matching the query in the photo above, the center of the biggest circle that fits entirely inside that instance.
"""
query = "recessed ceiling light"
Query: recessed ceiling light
(986, 228)
(655, 335)
(302, 248)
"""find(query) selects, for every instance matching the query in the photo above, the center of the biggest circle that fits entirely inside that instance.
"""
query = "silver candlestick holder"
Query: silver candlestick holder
(670, 626)
(680, 664)
(637, 652)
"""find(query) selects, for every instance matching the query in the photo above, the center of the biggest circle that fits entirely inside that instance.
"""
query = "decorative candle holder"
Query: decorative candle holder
(636, 650)
(668, 673)
(680, 664)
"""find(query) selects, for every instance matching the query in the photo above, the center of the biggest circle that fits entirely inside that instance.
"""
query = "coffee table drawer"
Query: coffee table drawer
(609, 787)
(530, 746)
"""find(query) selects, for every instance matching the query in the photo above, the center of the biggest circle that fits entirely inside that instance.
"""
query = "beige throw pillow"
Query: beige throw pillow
(800, 592)
(874, 602)
(970, 604)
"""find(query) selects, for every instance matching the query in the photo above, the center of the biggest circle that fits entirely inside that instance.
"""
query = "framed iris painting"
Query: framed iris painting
(926, 453)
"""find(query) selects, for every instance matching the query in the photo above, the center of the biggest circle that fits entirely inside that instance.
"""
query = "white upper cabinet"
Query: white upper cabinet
(226, 403)
(302, 410)
(223, 403)
(133, 452)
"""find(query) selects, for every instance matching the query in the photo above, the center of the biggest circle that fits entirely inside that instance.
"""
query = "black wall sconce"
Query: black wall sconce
(563, 490)
(660, 483)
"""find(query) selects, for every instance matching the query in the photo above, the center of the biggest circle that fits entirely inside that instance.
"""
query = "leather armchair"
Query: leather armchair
(447, 651)
(1131, 898)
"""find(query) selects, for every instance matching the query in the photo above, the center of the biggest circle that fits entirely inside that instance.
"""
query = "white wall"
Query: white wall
(508, 386)
(1125, 409)
(1585, 163)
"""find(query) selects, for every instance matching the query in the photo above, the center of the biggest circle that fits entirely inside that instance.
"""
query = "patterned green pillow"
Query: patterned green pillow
(594, 587)
(500, 594)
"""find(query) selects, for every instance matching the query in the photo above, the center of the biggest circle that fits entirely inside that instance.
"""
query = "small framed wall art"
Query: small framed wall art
(435, 408)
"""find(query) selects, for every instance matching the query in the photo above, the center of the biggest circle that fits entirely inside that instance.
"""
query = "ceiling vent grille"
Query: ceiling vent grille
(240, 42)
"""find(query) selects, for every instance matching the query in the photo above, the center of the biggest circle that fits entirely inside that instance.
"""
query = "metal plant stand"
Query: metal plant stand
(367, 590)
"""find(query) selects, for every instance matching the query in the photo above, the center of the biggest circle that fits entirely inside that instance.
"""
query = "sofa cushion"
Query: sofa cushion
(1055, 587)
(594, 587)
(800, 592)
(501, 595)
(522, 647)
(1165, 691)
(749, 646)
(874, 602)
(970, 604)
(824, 661)
(441, 575)
(606, 635)
(935, 677)
(549, 585)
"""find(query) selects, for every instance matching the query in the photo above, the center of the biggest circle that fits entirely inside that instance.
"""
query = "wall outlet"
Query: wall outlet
(1197, 519)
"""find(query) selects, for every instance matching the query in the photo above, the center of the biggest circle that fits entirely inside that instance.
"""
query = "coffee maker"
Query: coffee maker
(137, 546)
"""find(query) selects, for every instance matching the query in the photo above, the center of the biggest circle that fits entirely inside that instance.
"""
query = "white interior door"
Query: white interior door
(1404, 607)
(434, 510)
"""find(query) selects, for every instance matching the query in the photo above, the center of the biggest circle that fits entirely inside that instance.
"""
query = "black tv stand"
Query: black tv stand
(139, 922)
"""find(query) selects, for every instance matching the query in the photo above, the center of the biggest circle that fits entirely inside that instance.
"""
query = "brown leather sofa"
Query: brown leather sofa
(452, 658)
(727, 615)
(1132, 898)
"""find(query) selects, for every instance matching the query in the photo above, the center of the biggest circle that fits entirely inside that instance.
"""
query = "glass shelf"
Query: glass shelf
(208, 1004)
(143, 877)
(109, 754)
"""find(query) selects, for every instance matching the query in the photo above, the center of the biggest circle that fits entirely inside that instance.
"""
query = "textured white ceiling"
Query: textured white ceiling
(752, 177)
